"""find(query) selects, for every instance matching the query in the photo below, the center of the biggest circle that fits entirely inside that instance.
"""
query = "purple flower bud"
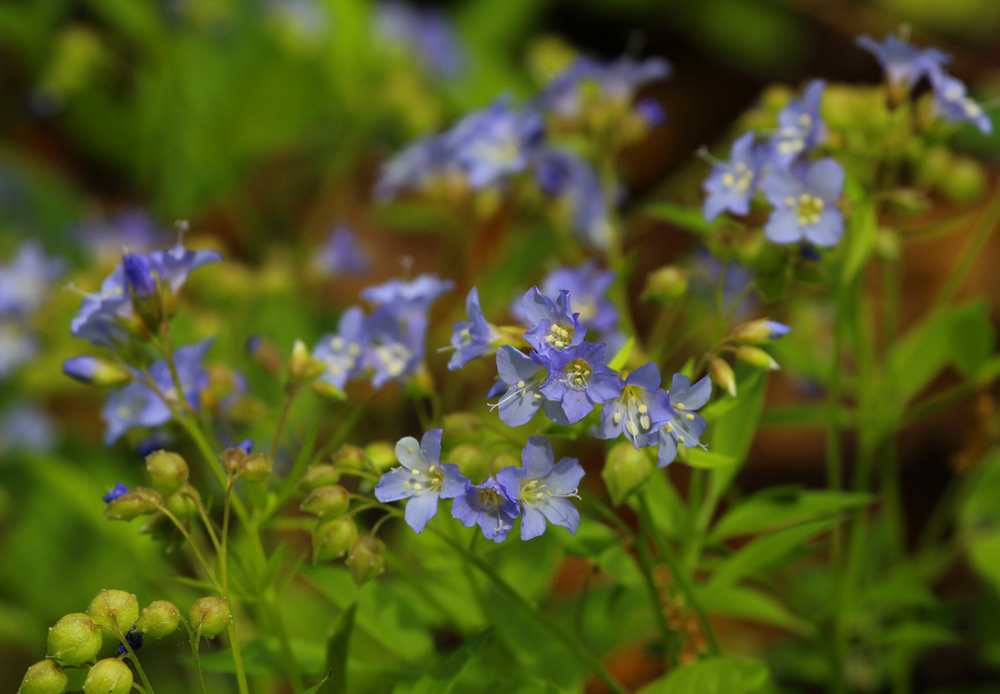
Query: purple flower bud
(139, 274)
(117, 491)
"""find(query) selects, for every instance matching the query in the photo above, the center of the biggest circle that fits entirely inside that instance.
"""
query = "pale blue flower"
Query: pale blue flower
(805, 207)
(731, 184)
(343, 352)
(523, 375)
(472, 338)
(686, 427)
(566, 176)
(617, 82)
(556, 327)
(542, 487)
(341, 255)
(578, 380)
(490, 506)
(952, 100)
(904, 63)
(26, 279)
(642, 407)
(800, 127)
(426, 32)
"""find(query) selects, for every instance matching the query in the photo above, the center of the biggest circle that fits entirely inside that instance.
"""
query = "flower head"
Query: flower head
(490, 506)
(952, 100)
(414, 167)
(642, 407)
(422, 479)
(556, 327)
(616, 83)
(173, 266)
(588, 285)
(685, 427)
(800, 127)
(102, 315)
(343, 351)
(731, 184)
(472, 338)
(579, 379)
(904, 63)
(139, 274)
(570, 179)
(340, 254)
(805, 207)
(542, 486)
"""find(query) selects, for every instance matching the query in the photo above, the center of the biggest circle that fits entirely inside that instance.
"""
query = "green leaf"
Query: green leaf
(622, 356)
(590, 540)
(972, 338)
(860, 238)
(980, 519)
(719, 675)
(336, 651)
(687, 218)
(733, 433)
(750, 603)
(315, 688)
(781, 507)
(918, 634)
(918, 356)
(767, 550)
(706, 460)
(442, 676)
(668, 509)
(272, 568)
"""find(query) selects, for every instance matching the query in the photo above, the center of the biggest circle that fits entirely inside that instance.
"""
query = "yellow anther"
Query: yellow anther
(690, 417)
(643, 409)
(416, 485)
(406, 485)
(680, 439)
(680, 406)
(618, 417)
(520, 384)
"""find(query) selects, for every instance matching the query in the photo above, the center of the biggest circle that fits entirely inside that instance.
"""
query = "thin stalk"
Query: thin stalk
(234, 646)
(282, 418)
(131, 655)
(972, 251)
(195, 637)
(646, 566)
(224, 552)
(194, 547)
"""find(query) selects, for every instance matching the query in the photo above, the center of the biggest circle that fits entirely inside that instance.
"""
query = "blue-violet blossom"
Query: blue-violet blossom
(686, 427)
(542, 486)
(578, 380)
(805, 207)
(642, 407)
(472, 338)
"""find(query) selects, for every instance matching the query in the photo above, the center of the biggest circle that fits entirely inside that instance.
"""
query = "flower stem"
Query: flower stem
(282, 418)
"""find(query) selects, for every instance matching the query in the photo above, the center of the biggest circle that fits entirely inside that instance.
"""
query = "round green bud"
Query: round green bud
(382, 454)
(232, 459)
(367, 558)
(212, 614)
(625, 470)
(256, 467)
(472, 461)
(114, 609)
(666, 284)
(327, 502)
(74, 639)
(167, 470)
(316, 476)
(332, 538)
(108, 676)
(43, 678)
(182, 504)
(159, 619)
(138, 502)
(350, 457)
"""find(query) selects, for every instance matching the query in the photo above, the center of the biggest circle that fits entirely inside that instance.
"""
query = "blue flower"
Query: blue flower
(556, 327)
(341, 254)
(731, 184)
(81, 368)
(738, 277)
(542, 487)
(426, 32)
(495, 142)
(414, 167)
(102, 315)
(490, 506)
(134, 639)
(472, 338)
(524, 376)
(800, 127)
(904, 63)
(25, 280)
(571, 179)
(27, 426)
(17, 346)
(686, 427)
(405, 296)
(953, 102)
(139, 274)
(246, 445)
(117, 491)
(642, 407)
(588, 285)
(104, 238)
(806, 207)
(174, 265)
(343, 351)
(579, 379)
(422, 479)
(616, 83)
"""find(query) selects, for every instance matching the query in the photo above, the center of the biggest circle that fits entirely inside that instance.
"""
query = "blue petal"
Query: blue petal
(419, 510)
(667, 452)
(454, 482)
(565, 477)
(430, 444)
(646, 377)
(560, 512)
(537, 457)
(390, 485)
(828, 230)
(783, 226)
(514, 366)
(532, 523)
(516, 409)
(697, 395)
(576, 405)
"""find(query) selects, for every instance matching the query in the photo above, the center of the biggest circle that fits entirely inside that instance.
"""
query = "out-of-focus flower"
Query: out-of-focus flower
(556, 327)
(805, 207)
(579, 379)
(588, 286)
(651, 112)
(472, 338)
(425, 32)
(25, 280)
(542, 486)
(343, 351)
(953, 102)
(686, 427)
(422, 479)
(17, 346)
(27, 426)
(414, 167)
(341, 254)
(731, 184)
(102, 315)
(800, 127)
(490, 506)
(738, 277)
(642, 407)
(570, 179)
(614, 83)
(133, 229)
(119, 490)
(904, 64)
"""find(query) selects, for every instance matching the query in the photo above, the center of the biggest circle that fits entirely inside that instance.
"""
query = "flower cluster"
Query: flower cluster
(537, 492)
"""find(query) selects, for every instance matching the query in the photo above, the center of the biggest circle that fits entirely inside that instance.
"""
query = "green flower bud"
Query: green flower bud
(108, 676)
(167, 470)
(182, 504)
(232, 459)
(367, 558)
(350, 457)
(888, 245)
(212, 614)
(138, 502)
(758, 332)
(666, 284)
(472, 461)
(328, 391)
(74, 639)
(756, 357)
(329, 501)
(115, 609)
(332, 538)
(316, 476)
(382, 454)
(44, 678)
(302, 367)
(159, 619)
(625, 470)
(722, 373)
(256, 467)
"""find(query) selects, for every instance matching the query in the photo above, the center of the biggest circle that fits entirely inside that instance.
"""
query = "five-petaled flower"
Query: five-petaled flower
(556, 327)
(805, 207)
(523, 374)
(472, 338)
(542, 486)
(578, 380)
(685, 427)
(731, 184)
(800, 127)
(904, 64)
(490, 506)
(642, 407)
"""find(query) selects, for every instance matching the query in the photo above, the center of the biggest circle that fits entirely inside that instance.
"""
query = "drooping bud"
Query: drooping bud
(625, 470)
(722, 373)
(756, 357)
(350, 457)
(97, 372)
(666, 284)
(472, 461)
(382, 454)
(182, 504)
(302, 366)
(212, 614)
(44, 677)
(167, 470)
(332, 538)
(138, 502)
(114, 609)
(108, 676)
(74, 639)
(367, 558)
(256, 467)
(327, 502)
(757, 332)
(159, 619)
(316, 476)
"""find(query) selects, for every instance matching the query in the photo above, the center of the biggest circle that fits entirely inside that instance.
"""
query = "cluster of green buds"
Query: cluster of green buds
(171, 494)
(742, 342)
(253, 467)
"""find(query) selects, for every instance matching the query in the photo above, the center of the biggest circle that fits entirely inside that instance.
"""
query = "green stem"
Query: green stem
(282, 418)
(234, 646)
(195, 637)
(194, 547)
(274, 615)
(135, 660)
(670, 639)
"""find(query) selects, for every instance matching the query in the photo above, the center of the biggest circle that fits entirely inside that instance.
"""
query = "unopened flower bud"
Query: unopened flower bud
(382, 454)
(232, 459)
(350, 457)
(965, 181)
(74, 639)
(472, 461)
(256, 467)
(327, 390)
(144, 288)
(212, 614)
(167, 470)
(97, 372)
(758, 332)
(44, 677)
(332, 538)
(316, 476)
(666, 284)
(722, 373)
(756, 357)
(138, 502)
(302, 366)
(330, 501)
(114, 609)
(182, 504)
(159, 619)
(367, 558)
(625, 469)
(108, 676)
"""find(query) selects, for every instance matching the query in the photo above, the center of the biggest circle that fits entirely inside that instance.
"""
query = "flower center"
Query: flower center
(577, 374)
(808, 208)
(430, 481)
(559, 336)
(739, 177)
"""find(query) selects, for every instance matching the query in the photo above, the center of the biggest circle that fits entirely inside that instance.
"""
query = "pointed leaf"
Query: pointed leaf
(337, 649)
